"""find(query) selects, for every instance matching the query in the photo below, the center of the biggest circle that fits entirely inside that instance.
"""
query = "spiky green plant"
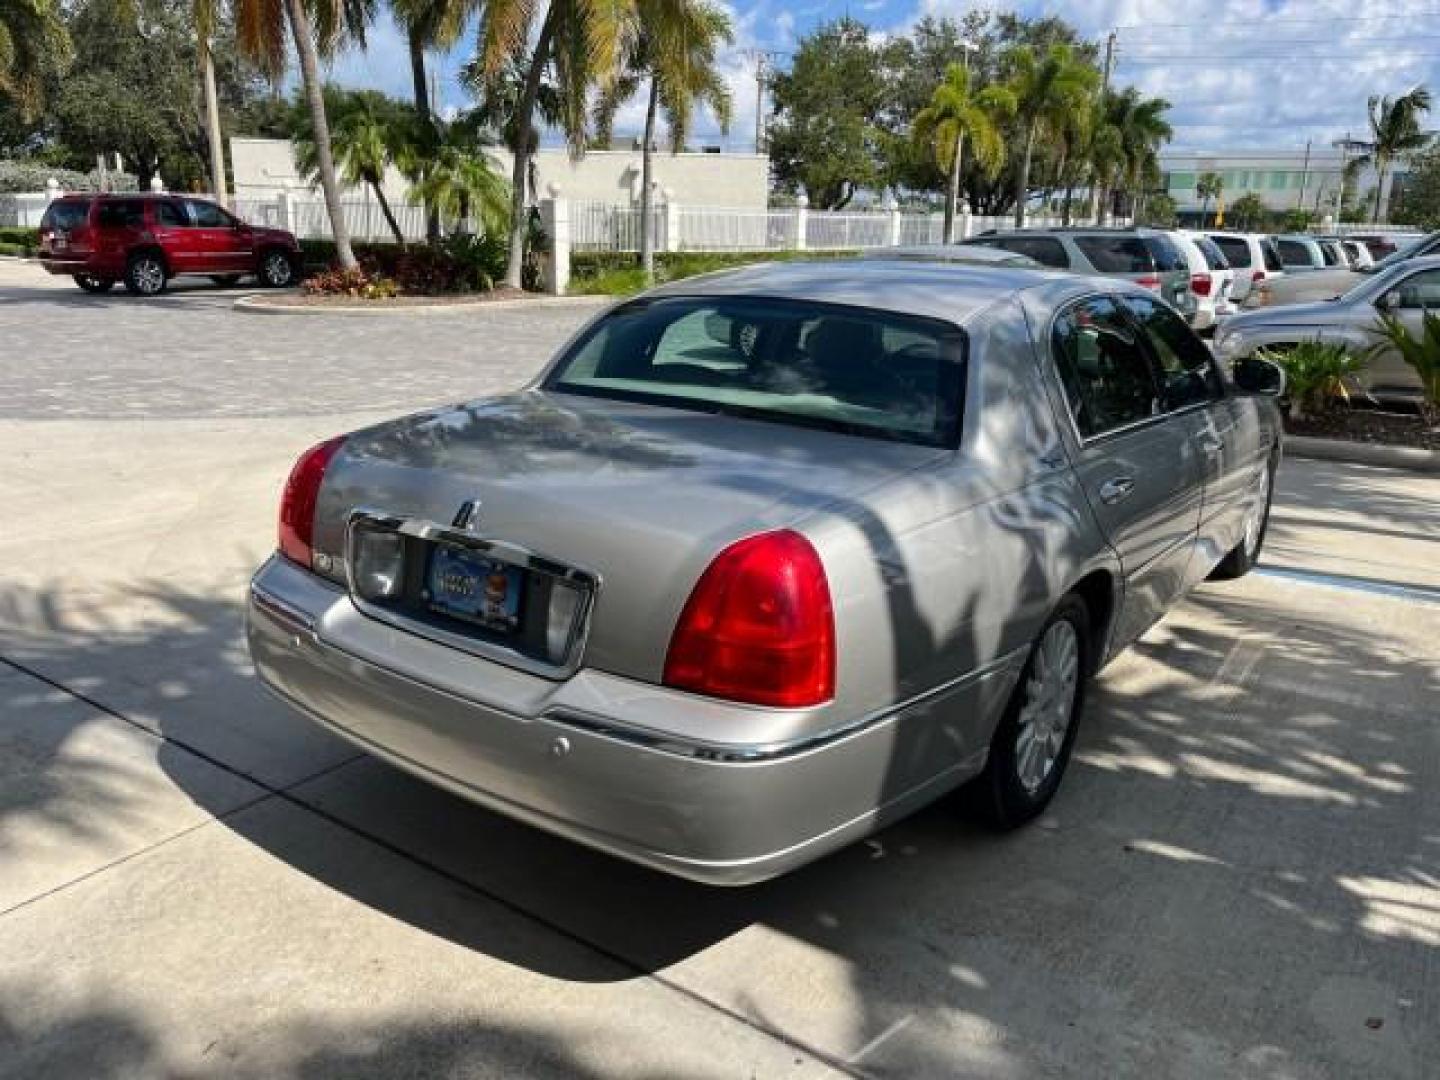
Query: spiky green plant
(1421, 353)
(1318, 376)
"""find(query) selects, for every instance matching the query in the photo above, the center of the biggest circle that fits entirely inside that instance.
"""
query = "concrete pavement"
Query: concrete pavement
(1241, 876)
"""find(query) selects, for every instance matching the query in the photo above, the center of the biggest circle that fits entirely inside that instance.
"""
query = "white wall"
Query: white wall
(263, 167)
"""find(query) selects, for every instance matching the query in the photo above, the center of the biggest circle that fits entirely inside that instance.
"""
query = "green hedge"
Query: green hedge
(27, 241)
(617, 273)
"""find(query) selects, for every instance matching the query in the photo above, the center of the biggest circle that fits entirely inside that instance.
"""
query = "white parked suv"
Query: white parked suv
(1211, 279)
(1253, 258)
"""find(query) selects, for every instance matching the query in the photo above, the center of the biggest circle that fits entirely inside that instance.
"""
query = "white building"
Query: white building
(264, 167)
(1283, 179)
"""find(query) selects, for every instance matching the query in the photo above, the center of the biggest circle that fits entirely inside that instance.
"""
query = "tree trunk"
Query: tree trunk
(389, 214)
(324, 158)
(1065, 210)
(426, 121)
(1022, 180)
(524, 130)
(647, 198)
(952, 195)
(212, 124)
(1380, 166)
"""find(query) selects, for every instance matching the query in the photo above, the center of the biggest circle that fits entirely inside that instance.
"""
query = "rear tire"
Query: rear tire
(225, 280)
(1246, 554)
(1032, 744)
(145, 275)
(277, 269)
(92, 284)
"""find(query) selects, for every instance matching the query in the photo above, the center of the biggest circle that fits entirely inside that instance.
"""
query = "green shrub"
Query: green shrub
(28, 239)
(459, 264)
(1318, 376)
(617, 273)
(1422, 354)
(12, 249)
(357, 283)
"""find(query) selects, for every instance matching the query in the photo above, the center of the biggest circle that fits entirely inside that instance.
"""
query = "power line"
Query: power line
(1268, 22)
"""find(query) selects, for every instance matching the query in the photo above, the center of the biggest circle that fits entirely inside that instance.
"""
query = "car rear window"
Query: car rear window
(1166, 254)
(1236, 249)
(1294, 253)
(1118, 254)
(853, 370)
(66, 214)
(1214, 257)
(1045, 250)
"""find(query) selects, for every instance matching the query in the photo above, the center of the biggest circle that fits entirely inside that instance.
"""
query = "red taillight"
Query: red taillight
(1257, 275)
(759, 627)
(1200, 284)
(1148, 282)
(297, 505)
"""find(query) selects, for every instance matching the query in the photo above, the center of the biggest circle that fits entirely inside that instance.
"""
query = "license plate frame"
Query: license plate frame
(475, 588)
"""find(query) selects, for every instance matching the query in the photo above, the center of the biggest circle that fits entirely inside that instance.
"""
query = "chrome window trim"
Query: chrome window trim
(502, 550)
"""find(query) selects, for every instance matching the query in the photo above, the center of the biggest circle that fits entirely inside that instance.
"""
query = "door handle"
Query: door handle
(1212, 444)
(1116, 489)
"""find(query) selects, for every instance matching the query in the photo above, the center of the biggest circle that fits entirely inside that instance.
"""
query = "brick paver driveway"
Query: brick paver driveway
(1240, 878)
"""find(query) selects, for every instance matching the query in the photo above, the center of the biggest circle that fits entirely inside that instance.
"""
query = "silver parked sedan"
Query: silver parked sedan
(1406, 289)
(767, 559)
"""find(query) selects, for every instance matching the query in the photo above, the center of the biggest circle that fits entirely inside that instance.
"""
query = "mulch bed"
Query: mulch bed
(309, 300)
(1369, 426)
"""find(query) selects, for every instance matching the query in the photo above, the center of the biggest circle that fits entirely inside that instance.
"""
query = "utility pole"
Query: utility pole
(1304, 176)
(1104, 87)
(762, 58)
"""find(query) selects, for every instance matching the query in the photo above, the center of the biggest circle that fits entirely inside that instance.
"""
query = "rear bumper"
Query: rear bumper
(589, 775)
(58, 264)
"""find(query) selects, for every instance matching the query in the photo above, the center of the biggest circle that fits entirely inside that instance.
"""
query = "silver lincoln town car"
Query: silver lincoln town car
(767, 559)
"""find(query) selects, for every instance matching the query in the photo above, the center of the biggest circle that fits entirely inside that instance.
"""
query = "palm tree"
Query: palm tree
(1142, 127)
(369, 133)
(675, 49)
(1106, 155)
(33, 40)
(1209, 186)
(583, 41)
(1394, 131)
(953, 113)
(460, 182)
(429, 24)
(203, 16)
(1047, 88)
(260, 28)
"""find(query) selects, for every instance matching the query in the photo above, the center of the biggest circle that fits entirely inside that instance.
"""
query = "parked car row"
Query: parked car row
(146, 240)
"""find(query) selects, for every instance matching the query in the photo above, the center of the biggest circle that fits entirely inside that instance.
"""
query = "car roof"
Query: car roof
(954, 292)
(972, 253)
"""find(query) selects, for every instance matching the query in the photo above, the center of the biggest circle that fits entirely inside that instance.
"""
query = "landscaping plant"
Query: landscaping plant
(1422, 354)
(1318, 376)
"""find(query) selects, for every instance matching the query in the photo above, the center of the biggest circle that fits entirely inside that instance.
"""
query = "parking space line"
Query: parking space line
(1421, 593)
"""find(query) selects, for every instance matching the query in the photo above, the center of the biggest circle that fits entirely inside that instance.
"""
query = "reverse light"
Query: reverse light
(1200, 284)
(297, 504)
(759, 627)
(379, 564)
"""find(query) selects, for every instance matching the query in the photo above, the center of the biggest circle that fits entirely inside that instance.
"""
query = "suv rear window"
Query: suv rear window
(1117, 254)
(1294, 253)
(1214, 257)
(1236, 249)
(1272, 256)
(847, 369)
(66, 214)
(1167, 256)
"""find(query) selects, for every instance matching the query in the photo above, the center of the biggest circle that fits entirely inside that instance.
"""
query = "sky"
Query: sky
(1240, 74)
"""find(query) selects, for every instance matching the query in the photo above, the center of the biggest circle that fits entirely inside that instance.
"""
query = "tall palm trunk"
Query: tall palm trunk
(952, 195)
(1065, 208)
(1022, 181)
(426, 122)
(647, 198)
(525, 127)
(376, 186)
(212, 123)
(1382, 165)
(324, 159)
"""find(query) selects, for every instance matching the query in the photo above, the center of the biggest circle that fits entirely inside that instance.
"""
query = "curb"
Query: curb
(1412, 458)
(256, 304)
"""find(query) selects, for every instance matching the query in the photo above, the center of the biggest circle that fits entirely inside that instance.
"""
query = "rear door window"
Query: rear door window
(1214, 257)
(854, 370)
(121, 214)
(1107, 374)
(1235, 248)
(1420, 291)
(1168, 257)
(170, 216)
(1272, 256)
(1187, 369)
(1294, 253)
(66, 214)
(1117, 254)
(1045, 250)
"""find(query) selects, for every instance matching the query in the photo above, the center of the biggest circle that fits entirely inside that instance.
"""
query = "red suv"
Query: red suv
(145, 240)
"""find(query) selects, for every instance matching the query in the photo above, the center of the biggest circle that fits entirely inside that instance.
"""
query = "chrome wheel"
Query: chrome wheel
(1049, 705)
(277, 270)
(1255, 520)
(147, 276)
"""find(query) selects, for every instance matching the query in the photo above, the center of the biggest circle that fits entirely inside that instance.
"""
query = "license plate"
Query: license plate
(466, 585)
(60, 243)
